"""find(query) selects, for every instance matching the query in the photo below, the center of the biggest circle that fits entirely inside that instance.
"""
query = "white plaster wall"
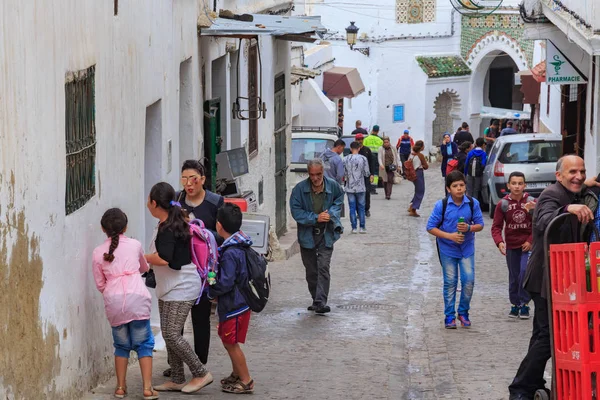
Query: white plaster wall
(315, 108)
(276, 59)
(311, 106)
(550, 116)
(460, 113)
(391, 74)
(588, 10)
(569, 41)
(137, 56)
(321, 58)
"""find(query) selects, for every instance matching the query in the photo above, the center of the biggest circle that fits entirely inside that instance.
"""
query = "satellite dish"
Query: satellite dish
(476, 8)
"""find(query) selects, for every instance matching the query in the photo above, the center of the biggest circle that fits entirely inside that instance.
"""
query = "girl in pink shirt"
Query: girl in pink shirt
(117, 264)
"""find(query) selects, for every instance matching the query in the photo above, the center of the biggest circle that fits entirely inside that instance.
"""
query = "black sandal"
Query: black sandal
(239, 387)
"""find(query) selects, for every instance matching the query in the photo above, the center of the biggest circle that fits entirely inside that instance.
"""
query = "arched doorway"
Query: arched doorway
(494, 60)
(446, 108)
(500, 90)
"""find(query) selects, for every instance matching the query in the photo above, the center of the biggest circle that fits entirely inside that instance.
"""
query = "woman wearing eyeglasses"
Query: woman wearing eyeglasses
(195, 200)
(202, 204)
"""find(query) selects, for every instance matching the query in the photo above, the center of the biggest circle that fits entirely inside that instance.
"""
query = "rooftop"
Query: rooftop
(300, 73)
(261, 24)
(444, 66)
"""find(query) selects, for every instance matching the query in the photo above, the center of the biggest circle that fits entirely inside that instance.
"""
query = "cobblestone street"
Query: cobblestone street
(384, 338)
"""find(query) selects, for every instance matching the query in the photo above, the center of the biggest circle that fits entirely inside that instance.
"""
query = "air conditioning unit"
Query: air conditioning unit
(257, 228)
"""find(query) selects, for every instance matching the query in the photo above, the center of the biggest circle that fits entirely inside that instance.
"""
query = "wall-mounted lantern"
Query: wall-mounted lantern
(351, 37)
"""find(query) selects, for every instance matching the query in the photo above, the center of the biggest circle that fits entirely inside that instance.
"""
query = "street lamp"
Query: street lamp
(351, 36)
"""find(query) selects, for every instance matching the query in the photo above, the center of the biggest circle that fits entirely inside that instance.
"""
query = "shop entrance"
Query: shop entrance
(573, 118)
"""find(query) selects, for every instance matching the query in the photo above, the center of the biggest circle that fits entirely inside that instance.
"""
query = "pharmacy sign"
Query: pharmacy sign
(559, 69)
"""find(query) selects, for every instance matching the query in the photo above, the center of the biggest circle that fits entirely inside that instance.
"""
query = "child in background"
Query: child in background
(474, 167)
(513, 214)
(234, 313)
(117, 265)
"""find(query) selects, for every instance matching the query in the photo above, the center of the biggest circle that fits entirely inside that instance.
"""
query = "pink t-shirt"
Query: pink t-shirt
(126, 297)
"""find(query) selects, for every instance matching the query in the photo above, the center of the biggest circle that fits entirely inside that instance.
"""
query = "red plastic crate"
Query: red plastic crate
(577, 381)
(568, 275)
(576, 332)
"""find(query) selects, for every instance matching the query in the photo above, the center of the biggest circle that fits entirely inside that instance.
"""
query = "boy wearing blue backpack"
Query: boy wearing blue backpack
(454, 221)
(233, 310)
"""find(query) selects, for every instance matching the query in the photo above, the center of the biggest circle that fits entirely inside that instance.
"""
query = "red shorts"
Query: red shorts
(234, 330)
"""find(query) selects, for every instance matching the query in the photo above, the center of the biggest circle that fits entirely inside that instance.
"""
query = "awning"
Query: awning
(503, 113)
(539, 72)
(282, 27)
(530, 82)
(530, 88)
(341, 82)
(299, 74)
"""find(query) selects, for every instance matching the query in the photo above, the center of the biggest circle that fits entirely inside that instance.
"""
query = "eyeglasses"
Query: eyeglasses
(190, 180)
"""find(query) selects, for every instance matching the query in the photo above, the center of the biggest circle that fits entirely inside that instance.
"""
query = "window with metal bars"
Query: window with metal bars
(80, 137)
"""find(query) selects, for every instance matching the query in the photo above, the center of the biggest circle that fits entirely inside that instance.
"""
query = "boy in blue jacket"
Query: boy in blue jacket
(234, 313)
(474, 166)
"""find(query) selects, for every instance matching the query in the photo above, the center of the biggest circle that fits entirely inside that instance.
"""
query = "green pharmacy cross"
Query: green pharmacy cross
(476, 8)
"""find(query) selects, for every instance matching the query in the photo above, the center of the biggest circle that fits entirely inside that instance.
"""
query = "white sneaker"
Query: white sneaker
(354, 231)
(363, 230)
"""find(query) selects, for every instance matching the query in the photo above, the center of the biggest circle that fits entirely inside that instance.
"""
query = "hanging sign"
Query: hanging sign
(559, 69)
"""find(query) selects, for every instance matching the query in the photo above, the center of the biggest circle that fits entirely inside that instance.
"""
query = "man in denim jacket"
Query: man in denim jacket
(316, 206)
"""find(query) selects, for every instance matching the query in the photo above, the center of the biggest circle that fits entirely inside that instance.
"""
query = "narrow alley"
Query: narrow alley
(114, 114)
(384, 338)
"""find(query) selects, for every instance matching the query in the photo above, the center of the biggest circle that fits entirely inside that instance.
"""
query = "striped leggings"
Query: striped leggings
(172, 319)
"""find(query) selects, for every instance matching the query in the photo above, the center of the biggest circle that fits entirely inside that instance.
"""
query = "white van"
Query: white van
(308, 143)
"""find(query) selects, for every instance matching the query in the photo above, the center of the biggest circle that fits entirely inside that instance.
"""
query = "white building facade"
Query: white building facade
(426, 67)
(98, 101)
(246, 74)
(570, 27)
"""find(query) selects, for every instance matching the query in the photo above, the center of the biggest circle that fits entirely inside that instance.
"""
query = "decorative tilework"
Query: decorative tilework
(429, 11)
(401, 11)
(415, 11)
(511, 25)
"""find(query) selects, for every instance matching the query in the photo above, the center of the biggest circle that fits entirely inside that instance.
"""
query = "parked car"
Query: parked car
(308, 143)
(348, 139)
(534, 154)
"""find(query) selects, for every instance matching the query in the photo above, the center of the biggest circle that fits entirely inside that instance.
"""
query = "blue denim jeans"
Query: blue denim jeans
(136, 336)
(450, 270)
(357, 200)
